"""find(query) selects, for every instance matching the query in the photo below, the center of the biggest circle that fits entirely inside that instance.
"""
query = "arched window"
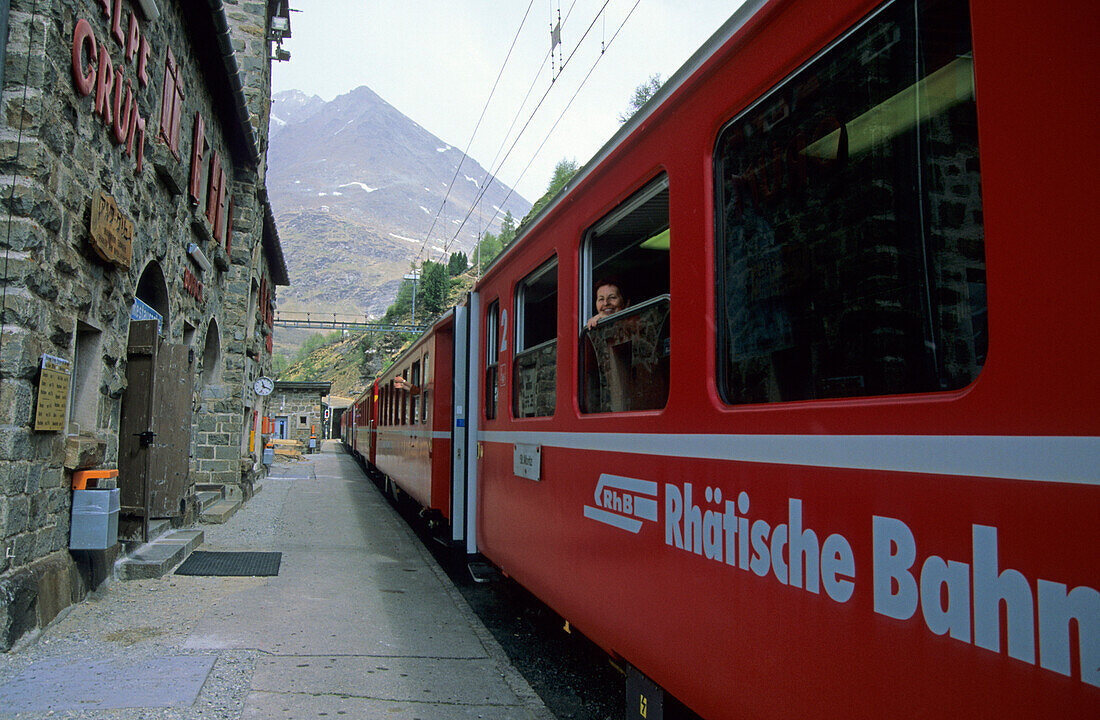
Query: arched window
(211, 355)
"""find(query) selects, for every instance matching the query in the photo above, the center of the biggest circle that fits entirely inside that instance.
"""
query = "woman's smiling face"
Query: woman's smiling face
(608, 300)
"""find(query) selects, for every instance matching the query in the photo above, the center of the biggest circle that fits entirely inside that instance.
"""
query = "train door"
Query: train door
(464, 425)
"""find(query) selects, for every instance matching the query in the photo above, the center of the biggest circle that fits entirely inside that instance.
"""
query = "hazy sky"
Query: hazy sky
(436, 62)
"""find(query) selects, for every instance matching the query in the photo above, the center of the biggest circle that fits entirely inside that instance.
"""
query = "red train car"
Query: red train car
(838, 455)
(411, 433)
(357, 421)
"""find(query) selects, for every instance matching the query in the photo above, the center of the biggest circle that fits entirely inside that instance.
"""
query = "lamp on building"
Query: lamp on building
(197, 255)
(279, 26)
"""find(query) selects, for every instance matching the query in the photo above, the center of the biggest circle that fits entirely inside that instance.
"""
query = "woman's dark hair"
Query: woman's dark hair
(609, 280)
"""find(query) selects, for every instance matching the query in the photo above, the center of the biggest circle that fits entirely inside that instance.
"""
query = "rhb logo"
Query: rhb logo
(623, 502)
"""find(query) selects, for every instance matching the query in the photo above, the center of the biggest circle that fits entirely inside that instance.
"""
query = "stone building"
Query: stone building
(140, 261)
(297, 410)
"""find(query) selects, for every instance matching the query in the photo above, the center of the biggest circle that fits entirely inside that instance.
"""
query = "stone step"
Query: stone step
(207, 498)
(219, 512)
(157, 528)
(156, 558)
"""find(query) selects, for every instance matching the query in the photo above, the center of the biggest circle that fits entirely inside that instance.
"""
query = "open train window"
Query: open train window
(849, 242)
(422, 385)
(414, 391)
(404, 420)
(625, 305)
(534, 377)
(492, 358)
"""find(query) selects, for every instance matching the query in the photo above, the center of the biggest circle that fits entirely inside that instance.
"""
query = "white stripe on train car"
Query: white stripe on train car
(433, 434)
(1042, 458)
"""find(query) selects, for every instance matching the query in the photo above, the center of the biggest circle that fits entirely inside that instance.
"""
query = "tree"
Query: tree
(641, 96)
(563, 173)
(457, 263)
(434, 284)
(402, 304)
(507, 229)
(487, 249)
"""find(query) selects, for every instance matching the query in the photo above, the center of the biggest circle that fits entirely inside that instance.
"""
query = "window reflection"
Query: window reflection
(850, 247)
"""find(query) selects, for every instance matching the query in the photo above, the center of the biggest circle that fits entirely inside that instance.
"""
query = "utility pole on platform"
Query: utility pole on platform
(413, 276)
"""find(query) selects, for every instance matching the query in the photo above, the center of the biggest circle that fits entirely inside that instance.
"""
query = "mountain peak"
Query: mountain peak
(355, 188)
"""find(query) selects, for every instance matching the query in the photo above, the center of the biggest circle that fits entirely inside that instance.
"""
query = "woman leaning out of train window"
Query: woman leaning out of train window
(609, 300)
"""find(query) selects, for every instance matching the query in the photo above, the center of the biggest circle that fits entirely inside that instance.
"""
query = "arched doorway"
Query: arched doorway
(152, 292)
(155, 415)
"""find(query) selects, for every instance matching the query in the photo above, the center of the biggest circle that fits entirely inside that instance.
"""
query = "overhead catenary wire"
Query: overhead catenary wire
(493, 173)
(534, 155)
(488, 177)
(465, 153)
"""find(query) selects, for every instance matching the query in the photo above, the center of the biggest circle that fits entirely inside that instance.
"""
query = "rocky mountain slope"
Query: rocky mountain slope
(355, 187)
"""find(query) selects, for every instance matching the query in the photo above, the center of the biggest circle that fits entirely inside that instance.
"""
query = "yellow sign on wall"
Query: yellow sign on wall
(53, 395)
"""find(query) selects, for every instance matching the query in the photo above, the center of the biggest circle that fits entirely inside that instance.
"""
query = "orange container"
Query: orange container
(82, 477)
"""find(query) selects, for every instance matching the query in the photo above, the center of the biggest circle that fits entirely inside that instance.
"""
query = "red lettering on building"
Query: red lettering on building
(143, 62)
(104, 82)
(116, 23)
(133, 38)
(93, 70)
(122, 109)
(84, 44)
(192, 284)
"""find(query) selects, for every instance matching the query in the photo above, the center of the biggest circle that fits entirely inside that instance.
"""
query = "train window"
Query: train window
(849, 242)
(492, 358)
(414, 391)
(422, 385)
(534, 378)
(404, 410)
(625, 305)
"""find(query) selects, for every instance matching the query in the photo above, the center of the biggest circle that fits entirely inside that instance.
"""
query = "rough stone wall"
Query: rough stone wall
(55, 154)
(296, 404)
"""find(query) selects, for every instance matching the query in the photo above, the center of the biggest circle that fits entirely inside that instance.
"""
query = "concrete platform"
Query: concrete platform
(359, 623)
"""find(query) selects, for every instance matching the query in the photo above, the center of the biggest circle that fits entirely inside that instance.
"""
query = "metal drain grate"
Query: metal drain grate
(231, 564)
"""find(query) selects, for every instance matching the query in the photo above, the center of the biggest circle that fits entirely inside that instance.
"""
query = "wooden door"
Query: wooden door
(155, 425)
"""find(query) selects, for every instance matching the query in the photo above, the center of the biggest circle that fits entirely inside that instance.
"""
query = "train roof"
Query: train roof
(687, 71)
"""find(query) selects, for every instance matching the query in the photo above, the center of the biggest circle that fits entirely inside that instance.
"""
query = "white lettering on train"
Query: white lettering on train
(969, 601)
(977, 592)
(722, 535)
